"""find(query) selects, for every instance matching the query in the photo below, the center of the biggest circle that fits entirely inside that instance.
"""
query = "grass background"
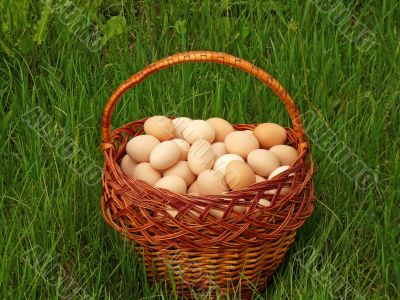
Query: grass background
(53, 241)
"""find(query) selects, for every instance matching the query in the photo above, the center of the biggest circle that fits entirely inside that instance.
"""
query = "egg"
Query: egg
(140, 147)
(173, 184)
(172, 211)
(240, 143)
(270, 134)
(260, 178)
(181, 169)
(262, 202)
(180, 124)
(193, 189)
(183, 146)
(284, 190)
(262, 161)
(127, 165)
(222, 128)
(146, 173)
(201, 156)
(165, 155)
(239, 175)
(219, 214)
(224, 160)
(211, 182)
(198, 130)
(287, 155)
(160, 127)
(219, 149)
(277, 171)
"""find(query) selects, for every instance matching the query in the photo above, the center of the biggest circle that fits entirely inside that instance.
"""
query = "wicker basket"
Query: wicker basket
(195, 251)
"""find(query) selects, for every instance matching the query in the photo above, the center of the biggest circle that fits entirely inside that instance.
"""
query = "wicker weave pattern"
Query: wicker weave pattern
(203, 270)
(200, 250)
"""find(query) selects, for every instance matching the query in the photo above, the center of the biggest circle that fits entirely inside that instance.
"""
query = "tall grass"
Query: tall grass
(52, 236)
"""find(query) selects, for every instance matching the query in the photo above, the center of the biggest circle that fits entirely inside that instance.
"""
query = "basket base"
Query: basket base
(216, 271)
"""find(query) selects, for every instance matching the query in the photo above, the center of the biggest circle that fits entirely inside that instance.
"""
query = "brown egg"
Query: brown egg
(287, 155)
(219, 149)
(193, 189)
(146, 173)
(160, 127)
(240, 143)
(222, 128)
(165, 155)
(262, 161)
(198, 130)
(140, 147)
(180, 124)
(270, 134)
(201, 156)
(127, 165)
(174, 184)
(260, 178)
(181, 169)
(211, 182)
(183, 146)
(239, 175)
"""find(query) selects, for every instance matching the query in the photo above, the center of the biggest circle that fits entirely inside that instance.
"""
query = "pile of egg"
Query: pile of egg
(200, 157)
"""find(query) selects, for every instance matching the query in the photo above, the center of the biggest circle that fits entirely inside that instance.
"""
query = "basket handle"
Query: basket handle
(202, 56)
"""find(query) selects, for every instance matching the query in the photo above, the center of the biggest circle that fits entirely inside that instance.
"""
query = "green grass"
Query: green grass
(50, 217)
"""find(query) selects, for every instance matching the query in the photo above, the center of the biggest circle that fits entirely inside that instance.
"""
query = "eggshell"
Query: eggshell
(222, 128)
(284, 190)
(270, 134)
(240, 143)
(260, 178)
(160, 127)
(165, 155)
(287, 155)
(198, 130)
(172, 212)
(174, 184)
(262, 161)
(146, 173)
(239, 175)
(193, 189)
(219, 149)
(140, 147)
(127, 165)
(200, 156)
(180, 124)
(211, 182)
(183, 146)
(262, 202)
(277, 171)
(181, 169)
(219, 214)
(224, 160)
